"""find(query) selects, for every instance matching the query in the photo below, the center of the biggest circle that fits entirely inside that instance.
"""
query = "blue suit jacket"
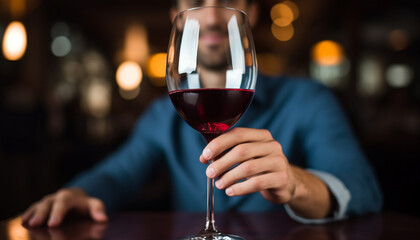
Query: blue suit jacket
(301, 114)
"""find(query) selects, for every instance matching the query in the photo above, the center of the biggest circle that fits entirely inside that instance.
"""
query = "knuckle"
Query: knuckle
(282, 162)
(278, 163)
(258, 183)
(241, 151)
(36, 205)
(238, 133)
(236, 130)
(47, 198)
(283, 179)
(267, 133)
(248, 168)
(63, 194)
(276, 145)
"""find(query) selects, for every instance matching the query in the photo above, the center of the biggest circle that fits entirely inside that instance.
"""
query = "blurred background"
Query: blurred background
(75, 76)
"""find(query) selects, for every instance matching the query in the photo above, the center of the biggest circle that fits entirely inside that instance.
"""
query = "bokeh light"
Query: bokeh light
(60, 29)
(245, 41)
(136, 45)
(293, 7)
(15, 229)
(283, 34)
(61, 46)
(332, 76)
(157, 69)
(17, 8)
(129, 75)
(157, 66)
(370, 77)
(398, 39)
(94, 63)
(97, 98)
(129, 94)
(281, 14)
(327, 53)
(399, 75)
(270, 64)
(249, 60)
(14, 41)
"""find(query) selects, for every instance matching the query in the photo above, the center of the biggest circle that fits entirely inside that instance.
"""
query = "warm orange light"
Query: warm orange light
(249, 60)
(246, 42)
(16, 230)
(270, 64)
(157, 69)
(282, 15)
(282, 33)
(327, 53)
(293, 7)
(129, 75)
(17, 8)
(14, 41)
(157, 65)
(136, 47)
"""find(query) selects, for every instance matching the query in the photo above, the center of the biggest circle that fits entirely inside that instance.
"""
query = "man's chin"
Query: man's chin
(214, 60)
(216, 67)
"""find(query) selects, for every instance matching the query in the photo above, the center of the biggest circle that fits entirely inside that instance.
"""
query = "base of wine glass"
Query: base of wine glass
(213, 236)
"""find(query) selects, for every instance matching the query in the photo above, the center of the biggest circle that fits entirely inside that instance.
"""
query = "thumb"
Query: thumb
(97, 210)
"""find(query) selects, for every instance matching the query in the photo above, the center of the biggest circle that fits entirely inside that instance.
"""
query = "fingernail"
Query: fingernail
(219, 183)
(101, 216)
(207, 153)
(210, 172)
(229, 192)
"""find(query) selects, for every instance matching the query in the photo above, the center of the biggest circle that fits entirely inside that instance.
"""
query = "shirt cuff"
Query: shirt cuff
(337, 189)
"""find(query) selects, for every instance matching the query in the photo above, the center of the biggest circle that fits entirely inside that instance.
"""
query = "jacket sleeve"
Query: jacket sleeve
(331, 148)
(121, 176)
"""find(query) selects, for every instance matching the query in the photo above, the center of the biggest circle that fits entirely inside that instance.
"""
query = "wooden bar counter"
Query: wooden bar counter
(252, 226)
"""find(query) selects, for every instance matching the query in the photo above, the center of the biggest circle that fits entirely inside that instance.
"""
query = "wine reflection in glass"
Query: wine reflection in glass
(211, 75)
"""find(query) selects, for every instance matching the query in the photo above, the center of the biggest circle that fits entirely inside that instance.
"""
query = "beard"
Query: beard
(215, 60)
(215, 56)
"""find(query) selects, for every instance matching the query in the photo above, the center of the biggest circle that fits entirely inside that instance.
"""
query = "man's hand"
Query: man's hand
(257, 158)
(54, 207)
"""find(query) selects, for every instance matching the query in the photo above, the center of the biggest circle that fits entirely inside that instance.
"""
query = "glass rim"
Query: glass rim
(204, 7)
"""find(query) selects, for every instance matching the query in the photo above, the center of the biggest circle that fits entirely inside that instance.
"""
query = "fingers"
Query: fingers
(97, 210)
(255, 184)
(268, 185)
(245, 170)
(28, 214)
(243, 153)
(255, 156)
(40, 212)
(54, 208)
(231, 139)
(59, 209)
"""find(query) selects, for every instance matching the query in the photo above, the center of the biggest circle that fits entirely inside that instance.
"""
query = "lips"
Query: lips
(212, 38)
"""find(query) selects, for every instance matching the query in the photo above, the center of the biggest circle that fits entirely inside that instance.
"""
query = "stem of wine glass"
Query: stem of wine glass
(210, 222)
(210, 227)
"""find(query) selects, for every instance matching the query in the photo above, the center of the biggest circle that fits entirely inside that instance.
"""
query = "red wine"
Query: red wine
(211, 111)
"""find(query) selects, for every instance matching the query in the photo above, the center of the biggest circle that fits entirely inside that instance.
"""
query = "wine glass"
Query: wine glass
(211, 75)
